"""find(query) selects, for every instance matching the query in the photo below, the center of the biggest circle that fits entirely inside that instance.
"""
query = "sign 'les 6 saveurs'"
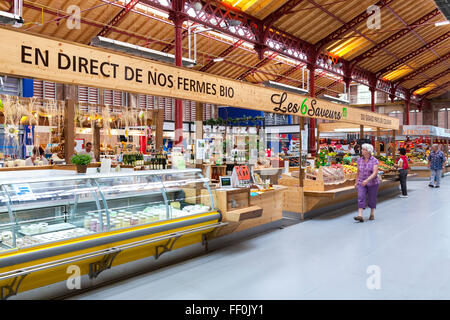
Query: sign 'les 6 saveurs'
(31, 56)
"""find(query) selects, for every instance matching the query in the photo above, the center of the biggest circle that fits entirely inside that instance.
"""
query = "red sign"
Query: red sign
(242, 172)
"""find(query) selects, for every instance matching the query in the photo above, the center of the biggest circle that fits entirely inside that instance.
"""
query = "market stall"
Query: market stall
(329, 179)
(245, 208)
(105, 219)
(417, 140)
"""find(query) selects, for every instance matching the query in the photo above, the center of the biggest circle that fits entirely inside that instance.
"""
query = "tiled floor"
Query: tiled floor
(323, 258)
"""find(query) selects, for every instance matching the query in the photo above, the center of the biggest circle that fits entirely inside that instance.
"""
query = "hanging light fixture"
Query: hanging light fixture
(136, 50)
(285, 87)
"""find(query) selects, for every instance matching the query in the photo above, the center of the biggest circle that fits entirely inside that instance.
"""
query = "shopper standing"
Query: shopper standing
(34, 157)
(436, 163)
(367, 182)
(357, 149)
(42, 154)
(403, 166)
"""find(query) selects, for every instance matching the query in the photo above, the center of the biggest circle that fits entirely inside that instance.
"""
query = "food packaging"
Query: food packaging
(142, 219)
(94, 225)
(43, 227)
(87, 222)
(6, 235)
(134, 221)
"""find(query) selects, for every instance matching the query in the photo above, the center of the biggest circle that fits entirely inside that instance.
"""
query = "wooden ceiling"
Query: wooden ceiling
(310, 20)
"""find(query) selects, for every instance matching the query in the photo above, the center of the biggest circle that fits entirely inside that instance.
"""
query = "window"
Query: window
(189, 110)
(145, 101)
(443, 118)
(207, 111)
(44, 89)
(167, 104)
(399, 115)
(88, 94)
(415, 117)
(115, 98)
(364, 95)
(11, 86)
(448, 118)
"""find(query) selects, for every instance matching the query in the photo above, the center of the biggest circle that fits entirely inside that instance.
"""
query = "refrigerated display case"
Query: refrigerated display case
(97, 220)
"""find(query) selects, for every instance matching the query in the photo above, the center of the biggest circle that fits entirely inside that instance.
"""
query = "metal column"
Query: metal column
(312, 121)
(178, 17)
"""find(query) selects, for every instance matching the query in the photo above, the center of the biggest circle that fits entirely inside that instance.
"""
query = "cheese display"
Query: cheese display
(62, 208)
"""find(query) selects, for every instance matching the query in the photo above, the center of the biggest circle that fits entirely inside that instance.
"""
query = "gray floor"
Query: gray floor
(323, 258)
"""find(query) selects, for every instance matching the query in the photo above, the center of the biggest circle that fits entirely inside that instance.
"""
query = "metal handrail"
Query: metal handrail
(48, 265)
(101, 176)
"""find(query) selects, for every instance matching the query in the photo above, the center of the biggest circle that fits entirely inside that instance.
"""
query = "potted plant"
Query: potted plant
(81, 161)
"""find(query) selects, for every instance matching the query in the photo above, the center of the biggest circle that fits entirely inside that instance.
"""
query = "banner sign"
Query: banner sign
(426, 131)
(32, 56)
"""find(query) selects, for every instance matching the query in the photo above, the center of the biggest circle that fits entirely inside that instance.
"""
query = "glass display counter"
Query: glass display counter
(51, 209)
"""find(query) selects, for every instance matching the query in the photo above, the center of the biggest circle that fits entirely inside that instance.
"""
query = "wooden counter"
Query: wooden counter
(424, 172)
(273, 173)
(262, 209)
(295, 199)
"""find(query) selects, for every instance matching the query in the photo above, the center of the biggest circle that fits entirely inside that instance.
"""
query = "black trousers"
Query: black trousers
(403, 174)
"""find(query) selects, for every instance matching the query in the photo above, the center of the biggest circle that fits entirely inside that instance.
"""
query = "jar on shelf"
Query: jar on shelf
(134, 221)
(94, 225)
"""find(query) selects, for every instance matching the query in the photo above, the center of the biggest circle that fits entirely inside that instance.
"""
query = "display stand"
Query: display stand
(242, 211)
(303, 195)
(433, 134)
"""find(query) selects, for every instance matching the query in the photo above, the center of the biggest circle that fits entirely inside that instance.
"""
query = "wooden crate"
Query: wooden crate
(226, 198)
(199, 196)
(293, 199)
(264, 208)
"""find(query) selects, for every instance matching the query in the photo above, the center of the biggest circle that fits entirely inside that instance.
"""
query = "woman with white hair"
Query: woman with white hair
(367, 182)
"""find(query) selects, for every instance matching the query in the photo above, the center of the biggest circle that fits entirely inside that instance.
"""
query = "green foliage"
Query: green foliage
(81, 159)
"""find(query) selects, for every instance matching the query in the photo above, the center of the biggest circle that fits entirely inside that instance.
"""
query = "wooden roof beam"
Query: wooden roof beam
(347, 27)
(223, 54)
(260, 64)
(118, 17)
(415, 53)
(87, 22)
(328, 87)
(288, 72)
(285, 9)
(396, 36)
(439, 88)
(432, 79)
(414, 74)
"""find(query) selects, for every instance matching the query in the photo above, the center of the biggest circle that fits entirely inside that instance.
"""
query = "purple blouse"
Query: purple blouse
(366, 170)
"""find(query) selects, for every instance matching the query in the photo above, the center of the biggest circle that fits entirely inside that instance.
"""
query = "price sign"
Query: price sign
(242, 172)
(240, 176)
